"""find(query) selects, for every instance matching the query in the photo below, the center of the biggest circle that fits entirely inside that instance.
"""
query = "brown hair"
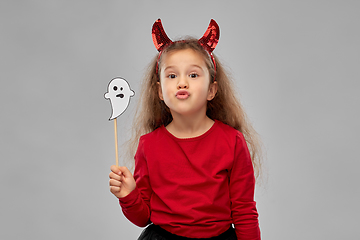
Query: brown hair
(225, 107)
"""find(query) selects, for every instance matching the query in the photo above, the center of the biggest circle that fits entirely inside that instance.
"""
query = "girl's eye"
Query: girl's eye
(172, 76)
(193, 75)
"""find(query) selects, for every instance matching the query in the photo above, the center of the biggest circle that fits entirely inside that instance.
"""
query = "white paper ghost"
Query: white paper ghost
(119, 94)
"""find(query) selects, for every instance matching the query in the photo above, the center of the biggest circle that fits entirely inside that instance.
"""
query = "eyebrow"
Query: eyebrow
(193, 65)
(168, 67)
(197, 66)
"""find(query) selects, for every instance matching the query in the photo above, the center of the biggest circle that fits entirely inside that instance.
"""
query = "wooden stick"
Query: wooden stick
(116, 143)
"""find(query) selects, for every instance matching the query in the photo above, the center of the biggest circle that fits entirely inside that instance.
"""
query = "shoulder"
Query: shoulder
(152, 139)
(153, 135)
(234, 136)
(227, 130)
(147, 142)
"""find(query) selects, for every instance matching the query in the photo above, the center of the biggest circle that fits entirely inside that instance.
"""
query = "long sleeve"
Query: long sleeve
(136, 205)
(242, 184)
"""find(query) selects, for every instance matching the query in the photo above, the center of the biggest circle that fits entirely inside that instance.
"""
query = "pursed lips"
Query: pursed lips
(182, 94)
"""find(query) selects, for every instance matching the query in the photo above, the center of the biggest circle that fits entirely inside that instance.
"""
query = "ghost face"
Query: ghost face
(119, 94)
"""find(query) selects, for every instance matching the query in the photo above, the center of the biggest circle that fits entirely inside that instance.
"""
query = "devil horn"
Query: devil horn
(159, 36)
(211, 36)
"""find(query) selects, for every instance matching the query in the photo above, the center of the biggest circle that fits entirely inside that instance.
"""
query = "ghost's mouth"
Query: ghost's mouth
(120, 95)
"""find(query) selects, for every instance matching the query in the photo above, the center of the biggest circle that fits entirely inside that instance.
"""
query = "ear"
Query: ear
(160, 91)
(212, 91)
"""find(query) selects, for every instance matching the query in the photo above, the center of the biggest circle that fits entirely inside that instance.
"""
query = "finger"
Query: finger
(115, 170)
(125, 171)
(114, 176)
(115, 190)
(114, 183)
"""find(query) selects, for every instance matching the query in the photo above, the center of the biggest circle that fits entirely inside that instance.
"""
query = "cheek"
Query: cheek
(204, 91)
(164, 91)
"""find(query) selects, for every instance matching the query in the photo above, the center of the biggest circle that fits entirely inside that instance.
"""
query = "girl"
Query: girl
(196, 151)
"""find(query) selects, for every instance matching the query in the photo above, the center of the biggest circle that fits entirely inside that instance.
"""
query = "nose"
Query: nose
(182, 83)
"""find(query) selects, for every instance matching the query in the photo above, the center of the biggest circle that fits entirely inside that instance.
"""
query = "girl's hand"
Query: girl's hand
(121, 181)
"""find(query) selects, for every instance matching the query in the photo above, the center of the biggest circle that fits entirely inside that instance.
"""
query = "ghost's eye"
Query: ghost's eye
(115, 88)
(121, 88)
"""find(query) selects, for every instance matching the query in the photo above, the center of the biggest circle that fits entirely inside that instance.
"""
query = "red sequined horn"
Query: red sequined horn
(159, 36)
(211, 37)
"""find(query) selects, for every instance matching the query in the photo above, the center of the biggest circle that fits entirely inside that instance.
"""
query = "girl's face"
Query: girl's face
(185, 83)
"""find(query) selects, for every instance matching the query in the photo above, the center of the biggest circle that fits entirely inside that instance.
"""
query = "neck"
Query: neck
(189, 126)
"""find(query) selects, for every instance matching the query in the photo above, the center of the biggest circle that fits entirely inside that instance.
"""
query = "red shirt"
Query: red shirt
(195, 187)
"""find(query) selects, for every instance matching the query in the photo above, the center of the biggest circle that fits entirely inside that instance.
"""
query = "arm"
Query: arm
(136, 205)
(242, 185)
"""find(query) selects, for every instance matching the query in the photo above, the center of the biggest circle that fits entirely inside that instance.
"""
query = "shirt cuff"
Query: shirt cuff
(130, 199)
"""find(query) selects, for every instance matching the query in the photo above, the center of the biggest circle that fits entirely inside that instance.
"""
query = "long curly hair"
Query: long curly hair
(152, 112)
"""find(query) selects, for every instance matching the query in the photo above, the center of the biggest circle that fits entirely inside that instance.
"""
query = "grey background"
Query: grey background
(296, 65)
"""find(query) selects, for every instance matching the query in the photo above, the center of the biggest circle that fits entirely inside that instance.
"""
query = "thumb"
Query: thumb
(125, 171)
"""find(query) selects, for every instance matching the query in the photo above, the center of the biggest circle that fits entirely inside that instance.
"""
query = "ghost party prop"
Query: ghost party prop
(119, 94)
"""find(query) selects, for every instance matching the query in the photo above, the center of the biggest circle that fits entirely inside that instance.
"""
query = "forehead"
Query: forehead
(183, 57)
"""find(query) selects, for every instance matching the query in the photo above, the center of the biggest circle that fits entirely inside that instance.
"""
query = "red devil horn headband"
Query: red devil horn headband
(160, 39)
(211, 37)
(208, 41)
